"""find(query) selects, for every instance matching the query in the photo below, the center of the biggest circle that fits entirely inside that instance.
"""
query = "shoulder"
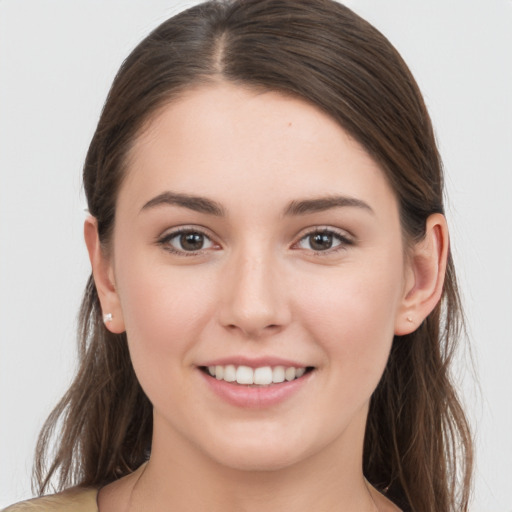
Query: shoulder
(76, 499)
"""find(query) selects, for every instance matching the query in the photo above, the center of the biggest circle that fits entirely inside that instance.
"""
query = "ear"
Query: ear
(103, 273)
(425, 273)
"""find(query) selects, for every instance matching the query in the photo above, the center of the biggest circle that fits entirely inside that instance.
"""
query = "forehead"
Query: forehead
(223, 138)
(222, 114)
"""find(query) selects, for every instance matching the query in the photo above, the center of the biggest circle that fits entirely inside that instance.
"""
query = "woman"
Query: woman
(274, 306)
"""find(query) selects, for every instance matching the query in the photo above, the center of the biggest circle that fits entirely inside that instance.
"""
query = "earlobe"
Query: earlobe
(425, 276)
(103, 278)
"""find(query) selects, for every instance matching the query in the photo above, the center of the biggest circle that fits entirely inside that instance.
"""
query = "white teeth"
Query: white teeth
(244, 375)
(289, 373)
(278, 374)
(229, 373)
(262, 376)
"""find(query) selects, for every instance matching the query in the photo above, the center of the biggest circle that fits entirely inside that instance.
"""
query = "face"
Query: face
(259, 266)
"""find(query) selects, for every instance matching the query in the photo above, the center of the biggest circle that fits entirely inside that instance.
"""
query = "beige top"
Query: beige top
(76, 499)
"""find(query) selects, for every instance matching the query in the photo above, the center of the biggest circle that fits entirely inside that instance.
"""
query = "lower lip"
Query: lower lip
(255, 397)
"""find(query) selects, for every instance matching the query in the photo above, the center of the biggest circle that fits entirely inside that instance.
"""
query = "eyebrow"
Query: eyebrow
(297, 207)
(321, 204)
(196, 203)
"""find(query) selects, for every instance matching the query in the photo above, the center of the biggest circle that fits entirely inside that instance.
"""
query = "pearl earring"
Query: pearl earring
(409, 319)
(107, 317)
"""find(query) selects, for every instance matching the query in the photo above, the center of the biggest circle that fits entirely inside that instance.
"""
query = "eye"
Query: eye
(323, 241)
(185, 241)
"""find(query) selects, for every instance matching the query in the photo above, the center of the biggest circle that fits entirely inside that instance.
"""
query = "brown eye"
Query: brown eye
(323, 241)
(191, 241)
(320, 241)
(188, 241)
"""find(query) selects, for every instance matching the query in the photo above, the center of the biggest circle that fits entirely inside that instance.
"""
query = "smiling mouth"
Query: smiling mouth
(261, 376)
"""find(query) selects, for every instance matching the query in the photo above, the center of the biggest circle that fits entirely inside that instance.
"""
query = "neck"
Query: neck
(178, 474)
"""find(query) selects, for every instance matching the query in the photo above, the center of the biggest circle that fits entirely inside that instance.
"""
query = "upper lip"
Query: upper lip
(253, 362)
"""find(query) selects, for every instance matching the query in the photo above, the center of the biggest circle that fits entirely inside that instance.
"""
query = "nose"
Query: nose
(254, 296)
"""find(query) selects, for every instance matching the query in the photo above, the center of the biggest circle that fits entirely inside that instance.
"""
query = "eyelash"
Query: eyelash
(165, 240)
(343, 241)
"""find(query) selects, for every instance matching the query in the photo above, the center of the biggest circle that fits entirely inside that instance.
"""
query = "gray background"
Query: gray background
(57, 60)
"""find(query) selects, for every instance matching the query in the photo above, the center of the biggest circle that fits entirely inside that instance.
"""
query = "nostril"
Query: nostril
(254, 331)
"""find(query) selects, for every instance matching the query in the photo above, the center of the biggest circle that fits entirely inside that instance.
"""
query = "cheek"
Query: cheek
(165, 310)
(352, 315)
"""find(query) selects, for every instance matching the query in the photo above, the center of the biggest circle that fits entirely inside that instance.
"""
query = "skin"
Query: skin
(258, 288)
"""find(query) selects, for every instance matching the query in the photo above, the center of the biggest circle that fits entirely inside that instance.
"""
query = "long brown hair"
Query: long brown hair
(417, 447)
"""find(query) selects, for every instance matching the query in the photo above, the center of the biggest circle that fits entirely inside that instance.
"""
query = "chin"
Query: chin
(260, 453)
(261, 460)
